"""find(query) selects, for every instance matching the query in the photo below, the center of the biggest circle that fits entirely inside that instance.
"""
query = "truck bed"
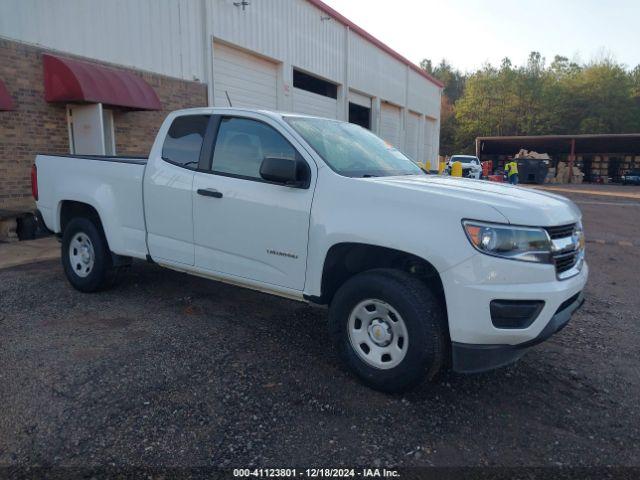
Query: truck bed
(112, 185)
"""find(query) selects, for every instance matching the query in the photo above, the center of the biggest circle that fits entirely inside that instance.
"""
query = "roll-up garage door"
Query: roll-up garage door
(359, 99)
(249, 80)
(390, 124)
(412, 140)
(313, 104)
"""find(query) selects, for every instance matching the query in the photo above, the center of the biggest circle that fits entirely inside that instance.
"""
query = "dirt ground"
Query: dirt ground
(172, 370)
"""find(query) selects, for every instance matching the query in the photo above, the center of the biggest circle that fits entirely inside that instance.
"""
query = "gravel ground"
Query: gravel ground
(173, 370)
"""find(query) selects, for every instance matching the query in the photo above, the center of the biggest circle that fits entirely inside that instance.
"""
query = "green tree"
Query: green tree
(535, 99)
(604, 101)
(453, 81)
(563, 97)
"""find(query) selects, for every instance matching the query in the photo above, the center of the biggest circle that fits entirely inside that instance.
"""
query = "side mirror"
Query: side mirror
(286, 171)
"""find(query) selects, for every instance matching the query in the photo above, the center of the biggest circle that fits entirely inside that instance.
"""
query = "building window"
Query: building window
(242, 144)
(312, 84)
(184, 140)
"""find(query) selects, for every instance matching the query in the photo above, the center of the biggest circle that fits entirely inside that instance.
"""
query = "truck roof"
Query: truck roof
(230, 110)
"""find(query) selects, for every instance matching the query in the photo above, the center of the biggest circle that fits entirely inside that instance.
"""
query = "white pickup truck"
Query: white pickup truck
(471, 167)
(419, 271)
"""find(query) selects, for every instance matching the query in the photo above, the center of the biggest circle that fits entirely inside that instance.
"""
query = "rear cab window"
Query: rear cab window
(184, 140)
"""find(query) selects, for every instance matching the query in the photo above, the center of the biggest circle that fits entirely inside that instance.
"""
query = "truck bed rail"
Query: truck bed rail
(137, 160)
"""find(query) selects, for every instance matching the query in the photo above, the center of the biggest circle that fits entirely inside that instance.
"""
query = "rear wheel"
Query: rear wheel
(86, 258)
(389, 329)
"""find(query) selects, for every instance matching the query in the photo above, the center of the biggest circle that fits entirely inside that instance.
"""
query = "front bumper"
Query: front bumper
(470, 173)
(470, 358)
(478, 344)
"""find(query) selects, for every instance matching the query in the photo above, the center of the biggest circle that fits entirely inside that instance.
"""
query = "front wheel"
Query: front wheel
(389, 328)
(86, 259)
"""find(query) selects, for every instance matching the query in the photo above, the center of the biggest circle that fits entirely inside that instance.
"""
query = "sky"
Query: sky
(469, 33)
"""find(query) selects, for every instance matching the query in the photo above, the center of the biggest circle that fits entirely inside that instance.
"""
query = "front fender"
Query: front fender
(351, 210)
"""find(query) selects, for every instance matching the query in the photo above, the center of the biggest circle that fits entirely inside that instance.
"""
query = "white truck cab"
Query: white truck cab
(323, 211)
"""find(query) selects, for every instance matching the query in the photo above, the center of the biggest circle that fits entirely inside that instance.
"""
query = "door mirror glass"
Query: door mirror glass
(282, 170)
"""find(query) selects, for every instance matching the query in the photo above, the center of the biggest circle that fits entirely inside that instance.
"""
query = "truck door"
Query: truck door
(168, 183)
(245, 226)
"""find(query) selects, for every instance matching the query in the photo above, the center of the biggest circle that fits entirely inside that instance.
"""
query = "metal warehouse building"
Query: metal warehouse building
(97, 77)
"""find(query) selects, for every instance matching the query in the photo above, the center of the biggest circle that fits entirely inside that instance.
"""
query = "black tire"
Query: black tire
(102, 275)
(422, 314)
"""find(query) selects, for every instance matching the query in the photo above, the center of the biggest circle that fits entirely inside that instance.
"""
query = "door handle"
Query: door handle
(210, 192)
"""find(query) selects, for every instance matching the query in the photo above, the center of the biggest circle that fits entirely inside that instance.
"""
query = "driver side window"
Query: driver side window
(242, 144)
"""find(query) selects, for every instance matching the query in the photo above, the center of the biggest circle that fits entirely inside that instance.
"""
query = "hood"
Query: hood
(519, 205)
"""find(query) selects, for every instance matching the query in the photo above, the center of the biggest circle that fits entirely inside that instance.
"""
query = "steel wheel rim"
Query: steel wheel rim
(81, 254)
(378, 334)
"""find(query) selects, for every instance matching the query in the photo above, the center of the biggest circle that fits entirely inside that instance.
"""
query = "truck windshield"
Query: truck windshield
(351, 150)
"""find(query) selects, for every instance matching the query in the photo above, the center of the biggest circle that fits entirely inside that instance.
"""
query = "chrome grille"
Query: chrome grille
(565, 261)
(566, 254)
(561, 231)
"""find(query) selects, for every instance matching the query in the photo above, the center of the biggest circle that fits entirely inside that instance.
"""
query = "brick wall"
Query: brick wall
(37, 126)
(34, 126)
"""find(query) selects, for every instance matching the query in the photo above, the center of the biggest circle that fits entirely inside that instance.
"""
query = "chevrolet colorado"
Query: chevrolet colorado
(418, 271)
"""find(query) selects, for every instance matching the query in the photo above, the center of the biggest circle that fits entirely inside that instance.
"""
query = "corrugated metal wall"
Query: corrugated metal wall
(161, 36)
(170, 37)
(423, 96)
(285, 30)
(376, 72)
(297, 34)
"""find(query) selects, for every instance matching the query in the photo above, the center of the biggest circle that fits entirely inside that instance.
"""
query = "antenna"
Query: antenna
(228, 99)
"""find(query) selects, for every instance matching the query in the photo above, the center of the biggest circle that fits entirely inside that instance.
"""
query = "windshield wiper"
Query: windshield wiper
(368, 175)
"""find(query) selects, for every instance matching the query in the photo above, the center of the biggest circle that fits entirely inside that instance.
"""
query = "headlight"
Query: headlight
(579, 236)
(527, 244)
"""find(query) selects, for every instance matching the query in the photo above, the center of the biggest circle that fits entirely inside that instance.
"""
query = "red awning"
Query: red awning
(6, 102)
(67, 80)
